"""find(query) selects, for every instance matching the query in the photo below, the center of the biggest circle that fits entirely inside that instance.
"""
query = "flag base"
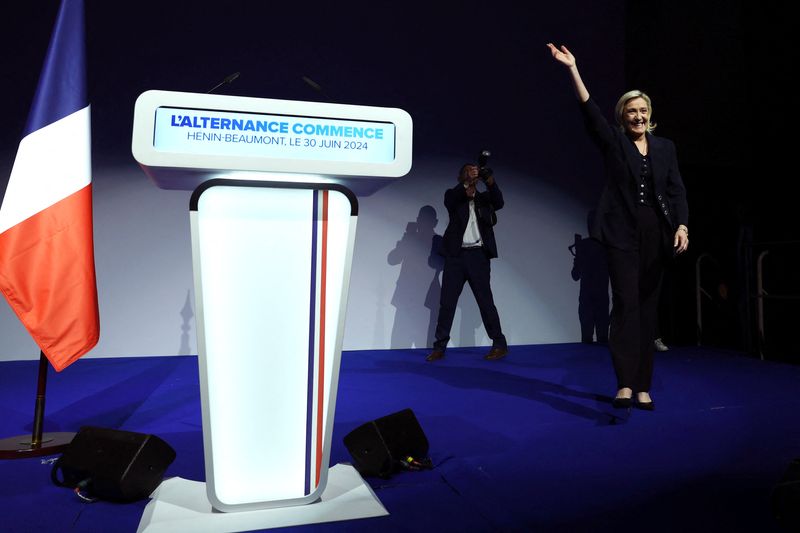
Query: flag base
(22, 447)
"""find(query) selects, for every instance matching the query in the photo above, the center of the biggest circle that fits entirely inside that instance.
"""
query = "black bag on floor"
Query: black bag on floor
(785, 498)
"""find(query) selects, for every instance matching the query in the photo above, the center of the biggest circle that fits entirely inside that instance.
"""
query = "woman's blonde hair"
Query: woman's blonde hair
(619, 109)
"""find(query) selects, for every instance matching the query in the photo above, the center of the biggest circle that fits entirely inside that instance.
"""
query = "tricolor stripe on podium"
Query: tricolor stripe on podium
(316, 338)
(46, 246)
(329, 237)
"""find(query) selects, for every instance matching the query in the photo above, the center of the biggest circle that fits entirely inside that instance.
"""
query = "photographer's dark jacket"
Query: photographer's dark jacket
(615, 218)
(457, 203)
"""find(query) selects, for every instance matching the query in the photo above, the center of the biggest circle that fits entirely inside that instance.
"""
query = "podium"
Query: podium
(273, 217)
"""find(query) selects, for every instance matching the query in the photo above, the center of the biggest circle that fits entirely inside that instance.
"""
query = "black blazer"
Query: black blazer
(457, 203)
(615, 219)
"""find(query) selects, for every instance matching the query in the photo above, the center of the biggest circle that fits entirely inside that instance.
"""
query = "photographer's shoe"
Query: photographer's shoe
(496, 353)
(435, 355)
(660, 346)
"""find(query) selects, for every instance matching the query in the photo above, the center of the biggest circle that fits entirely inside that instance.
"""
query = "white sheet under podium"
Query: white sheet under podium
(181, 505)
(273, 221)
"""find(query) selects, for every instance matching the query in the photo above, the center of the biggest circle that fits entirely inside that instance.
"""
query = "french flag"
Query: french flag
(46, 246)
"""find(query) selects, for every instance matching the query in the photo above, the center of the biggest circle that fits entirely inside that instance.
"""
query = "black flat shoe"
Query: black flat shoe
(646, 406)
(622, 403)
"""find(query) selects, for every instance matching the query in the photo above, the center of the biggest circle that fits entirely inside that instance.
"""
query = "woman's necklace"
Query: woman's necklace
(641, 145)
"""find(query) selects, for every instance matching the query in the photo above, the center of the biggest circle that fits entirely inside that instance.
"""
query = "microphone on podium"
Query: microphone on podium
(311, 83)
(317, 88)
(229, 79)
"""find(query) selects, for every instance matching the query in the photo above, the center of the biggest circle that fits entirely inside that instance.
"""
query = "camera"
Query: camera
(484, 172)
(573, 247)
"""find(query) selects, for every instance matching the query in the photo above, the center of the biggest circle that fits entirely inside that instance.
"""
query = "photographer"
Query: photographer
(467, 246)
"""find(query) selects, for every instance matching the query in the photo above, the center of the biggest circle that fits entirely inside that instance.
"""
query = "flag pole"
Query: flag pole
(46, 223)
(38, 443)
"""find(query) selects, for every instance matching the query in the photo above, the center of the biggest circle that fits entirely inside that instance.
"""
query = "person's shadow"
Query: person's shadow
(416, 295)
(187, 313)
(590, 267)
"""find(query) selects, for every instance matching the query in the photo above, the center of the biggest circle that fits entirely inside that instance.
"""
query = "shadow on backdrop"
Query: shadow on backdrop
(415, 299)
(186, 314)
(591, 269)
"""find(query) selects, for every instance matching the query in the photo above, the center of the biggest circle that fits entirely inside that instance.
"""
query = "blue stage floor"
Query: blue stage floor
(528, 443)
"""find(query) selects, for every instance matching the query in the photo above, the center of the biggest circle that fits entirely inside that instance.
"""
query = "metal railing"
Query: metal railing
(700, 292)
(762, 295)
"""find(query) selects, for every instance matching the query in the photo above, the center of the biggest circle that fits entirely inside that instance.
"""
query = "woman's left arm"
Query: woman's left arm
(676, 192)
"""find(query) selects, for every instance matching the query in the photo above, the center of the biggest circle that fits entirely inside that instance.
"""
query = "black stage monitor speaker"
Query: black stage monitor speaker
(113, 465)
(379, 447)
(785, 498)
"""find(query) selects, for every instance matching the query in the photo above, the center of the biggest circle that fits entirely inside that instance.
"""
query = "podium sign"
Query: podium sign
(196, 131)
(184, 139)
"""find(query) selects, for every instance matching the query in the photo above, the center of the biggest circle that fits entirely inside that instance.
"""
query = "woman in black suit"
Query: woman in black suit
(641, 219)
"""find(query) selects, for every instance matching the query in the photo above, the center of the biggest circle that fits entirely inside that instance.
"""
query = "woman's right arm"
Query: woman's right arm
(566, 58)
(596, 124)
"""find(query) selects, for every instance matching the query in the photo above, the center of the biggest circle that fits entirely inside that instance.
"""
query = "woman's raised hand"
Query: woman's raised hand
(562, 55)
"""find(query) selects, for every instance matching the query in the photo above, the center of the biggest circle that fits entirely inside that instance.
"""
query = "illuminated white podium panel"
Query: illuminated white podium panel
(272, 266)
(273, 217)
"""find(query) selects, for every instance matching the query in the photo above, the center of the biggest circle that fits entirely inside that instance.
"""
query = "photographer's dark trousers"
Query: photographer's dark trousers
(635, 283)
(472, 266)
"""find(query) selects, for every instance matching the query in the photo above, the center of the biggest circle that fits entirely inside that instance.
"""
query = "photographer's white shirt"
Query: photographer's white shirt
(472, 235)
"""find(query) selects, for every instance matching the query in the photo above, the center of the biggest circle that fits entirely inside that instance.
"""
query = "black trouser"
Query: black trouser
(471, 266)
(635, 283)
